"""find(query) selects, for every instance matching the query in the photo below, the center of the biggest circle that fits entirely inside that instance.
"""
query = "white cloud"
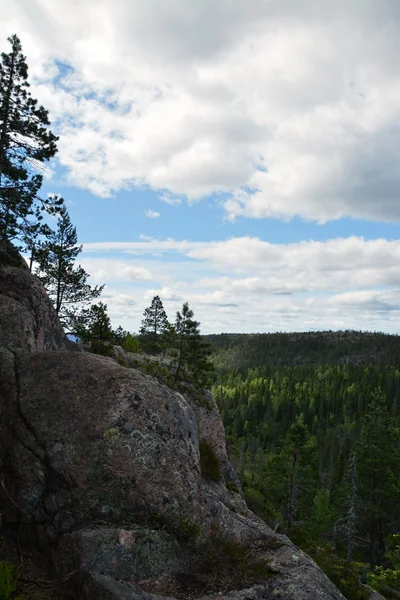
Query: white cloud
(247, 284)
(165, 293)
(115, 270)
(152, 214)
(261, 267)
(118, 299)
(375, 300)
(170, 199)
(293, 108)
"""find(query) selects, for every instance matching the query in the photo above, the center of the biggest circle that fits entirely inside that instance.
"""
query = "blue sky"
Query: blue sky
(241, 156)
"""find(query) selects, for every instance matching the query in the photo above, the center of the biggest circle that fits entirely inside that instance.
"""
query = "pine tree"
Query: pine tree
(378, 476)
(295, 442)
(65, 283)
(94, 324)
(190, 355)
(154, 327)
(25, 143)
(31, 232)
(351, 517)
(119, 335)
(131, 343)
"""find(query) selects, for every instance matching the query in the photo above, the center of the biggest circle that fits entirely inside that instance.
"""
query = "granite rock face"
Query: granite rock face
(28, 321)
(101, 465)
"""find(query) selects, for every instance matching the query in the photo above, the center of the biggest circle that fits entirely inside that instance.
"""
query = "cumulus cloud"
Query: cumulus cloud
(290, 108)
(118, 299)
(152, 214)
(247, 284)
(165, 293)
(104, 269)
(257, 266)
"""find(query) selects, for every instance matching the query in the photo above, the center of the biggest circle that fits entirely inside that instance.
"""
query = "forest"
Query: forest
(313, 429)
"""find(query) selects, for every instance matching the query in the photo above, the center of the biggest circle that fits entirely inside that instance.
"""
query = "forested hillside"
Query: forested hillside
(313, 427)
(277, 349)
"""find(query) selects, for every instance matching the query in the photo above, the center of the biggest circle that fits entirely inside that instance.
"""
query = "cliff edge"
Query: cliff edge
(104, 474)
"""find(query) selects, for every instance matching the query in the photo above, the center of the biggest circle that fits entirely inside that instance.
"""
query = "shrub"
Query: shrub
(231, 487)
(382, 579)
(8, 582)
(393, 551)
(131, 344)
(186, 531)
(103, 348)
(209, 462)
(254, 500)
(342, 573)
(219, 563)
(156, 369)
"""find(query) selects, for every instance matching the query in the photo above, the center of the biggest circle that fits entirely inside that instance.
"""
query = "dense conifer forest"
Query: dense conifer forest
(313, 427)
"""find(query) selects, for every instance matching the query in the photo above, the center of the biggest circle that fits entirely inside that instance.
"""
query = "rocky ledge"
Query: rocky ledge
(104, 475)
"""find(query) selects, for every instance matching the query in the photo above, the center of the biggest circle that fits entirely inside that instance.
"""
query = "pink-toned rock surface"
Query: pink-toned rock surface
(101, 467)
(28, 321)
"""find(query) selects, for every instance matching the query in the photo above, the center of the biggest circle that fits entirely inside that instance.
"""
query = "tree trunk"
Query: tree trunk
(179, 367)
(290, 507)
(351, 513)
(31, 258)
(3, 135)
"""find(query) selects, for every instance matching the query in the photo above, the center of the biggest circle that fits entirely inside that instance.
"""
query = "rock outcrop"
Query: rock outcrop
(101, 474)
(28, 321)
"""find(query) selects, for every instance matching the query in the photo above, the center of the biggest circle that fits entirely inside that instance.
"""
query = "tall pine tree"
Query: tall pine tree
(378, 473)
(93, 324)
(65, 283)
(154, 327)
(25, 143)
(190, 355)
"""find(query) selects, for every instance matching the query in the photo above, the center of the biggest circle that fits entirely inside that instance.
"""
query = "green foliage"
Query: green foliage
(209, 462)
(220, 563)
(382, 579)
(156, 369)
(231, 487)
(119, 336)
(378, 474)
(186, 531)
(8, 582)
(190, 355)
(255, 501)
(131, 344)
(393, 550)
(25, 143)
(248, 351)
(102, 348)
(316, 445)
(65, 283)
(154, 327)
(342, 573)
(322, 515)
(94, 324)
(186, 364)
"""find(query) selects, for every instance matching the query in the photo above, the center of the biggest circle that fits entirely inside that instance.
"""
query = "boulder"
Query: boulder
(28, 321)
(101, 475)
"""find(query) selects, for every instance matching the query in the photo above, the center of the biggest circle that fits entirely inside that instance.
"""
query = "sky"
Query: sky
(241, 156)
